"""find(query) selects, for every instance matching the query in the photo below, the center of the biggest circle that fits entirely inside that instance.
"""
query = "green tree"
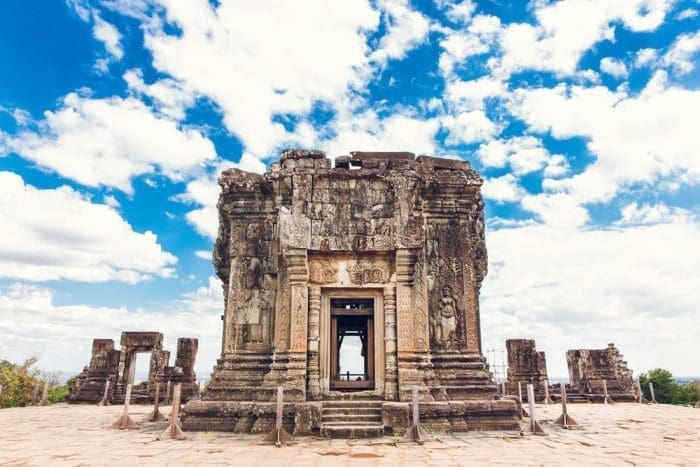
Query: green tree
(18, 382)
(666, 389)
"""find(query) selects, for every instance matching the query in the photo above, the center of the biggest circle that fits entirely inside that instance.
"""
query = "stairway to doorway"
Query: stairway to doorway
(352, 419)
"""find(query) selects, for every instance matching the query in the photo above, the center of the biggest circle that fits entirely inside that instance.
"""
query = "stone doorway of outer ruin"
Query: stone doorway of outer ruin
(352, 344)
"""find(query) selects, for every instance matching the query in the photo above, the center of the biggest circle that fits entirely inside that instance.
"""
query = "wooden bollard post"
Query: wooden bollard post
(174, 431)
(416, 433)
(535, 427)
(523, 412)
(167, 394)
(124, 421)
(45, 396)
(547, 399)
(279, 435)
(564, 420)
(155, 413)
(640, 394)
(651, 391)
(105, 398)
(608, 399)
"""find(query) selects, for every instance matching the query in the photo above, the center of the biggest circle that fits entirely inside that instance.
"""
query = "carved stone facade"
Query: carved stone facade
(118, 366)
(527, 366)
(385, 246)
(589, 367)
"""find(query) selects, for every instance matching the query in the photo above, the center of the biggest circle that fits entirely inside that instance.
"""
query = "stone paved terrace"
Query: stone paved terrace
(621, 434)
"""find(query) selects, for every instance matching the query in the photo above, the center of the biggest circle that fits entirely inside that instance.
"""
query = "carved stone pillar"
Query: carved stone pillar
(471, 302)
(405, 262)
(391, 386)
(298, 273)
(313, 390)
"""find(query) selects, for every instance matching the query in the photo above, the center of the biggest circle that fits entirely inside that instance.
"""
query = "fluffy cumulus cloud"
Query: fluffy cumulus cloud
(406, 29)
(258, 60)
(60, 234)
(57, 333)
(636, 139)
(524, 154)
(566, 29)
(107, 142)
(567, 288)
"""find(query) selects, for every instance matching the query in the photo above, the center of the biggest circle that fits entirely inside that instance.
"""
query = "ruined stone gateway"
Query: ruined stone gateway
(119, 366)
(385, 250)
(527, 366)
(589, 367)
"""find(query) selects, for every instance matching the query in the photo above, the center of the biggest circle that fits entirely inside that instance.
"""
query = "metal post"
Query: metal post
(523, 412)
(105, 399)
(174, 431)
(416, 432)
(503, 388)
(564, 420)
(35, 393)
(535, 427)
(167, 394)
(45, 397)
(155, 413)
(279, 435)
(608, 398)
(651, 390)
(547, 399)
(124, 421)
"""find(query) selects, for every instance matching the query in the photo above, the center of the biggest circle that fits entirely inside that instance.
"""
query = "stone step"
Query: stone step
(352, 410)
(351, 418)
(352, 404)
(351, 431)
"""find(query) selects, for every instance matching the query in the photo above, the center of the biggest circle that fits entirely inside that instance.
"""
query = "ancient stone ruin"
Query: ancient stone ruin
(347, 286)
(119, 366)
(589, 367)
(527, 366)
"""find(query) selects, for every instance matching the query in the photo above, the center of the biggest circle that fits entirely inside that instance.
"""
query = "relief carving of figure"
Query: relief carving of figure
(254, 313)
(444, 320)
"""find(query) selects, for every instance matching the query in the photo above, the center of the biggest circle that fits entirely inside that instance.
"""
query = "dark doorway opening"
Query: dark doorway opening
(352, 344)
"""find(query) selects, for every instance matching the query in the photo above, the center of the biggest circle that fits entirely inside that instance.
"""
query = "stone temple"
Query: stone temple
(347, 285)
(589, 367)
(526, 365)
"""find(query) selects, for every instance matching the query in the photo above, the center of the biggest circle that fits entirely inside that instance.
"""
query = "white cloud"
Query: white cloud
(469, 127)
(635, 139)
(646, 57)
(566, 29)
(459, 11)
(680, 54)
(525, 154)
(102, 31)
(406, 29)
(470, 95)
(555, 209)
(107, 142)
(479, 38)
(257, 60)
(61, 335)
(203, 254)
(614, 67)
(634, 214)
(110, 200)
(572, 288)
(59, 234)
(688, 13)
(169, 96)
(503, 189)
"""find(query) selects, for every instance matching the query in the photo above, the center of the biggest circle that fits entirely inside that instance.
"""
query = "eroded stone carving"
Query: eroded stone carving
(445, 319)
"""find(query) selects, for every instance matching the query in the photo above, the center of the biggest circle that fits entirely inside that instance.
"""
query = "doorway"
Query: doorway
(352, 343)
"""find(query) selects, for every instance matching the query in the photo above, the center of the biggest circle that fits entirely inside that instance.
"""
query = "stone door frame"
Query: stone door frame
(325, 336)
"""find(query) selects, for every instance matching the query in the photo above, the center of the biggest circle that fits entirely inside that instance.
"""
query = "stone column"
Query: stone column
(313, 372)
(391, 386)
(471, 302)
(297, 269)
(408, 360)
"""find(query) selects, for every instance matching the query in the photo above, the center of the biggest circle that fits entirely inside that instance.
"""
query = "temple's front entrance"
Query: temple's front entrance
(352, 344)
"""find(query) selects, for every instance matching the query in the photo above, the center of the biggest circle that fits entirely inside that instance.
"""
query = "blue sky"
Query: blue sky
(581, 115)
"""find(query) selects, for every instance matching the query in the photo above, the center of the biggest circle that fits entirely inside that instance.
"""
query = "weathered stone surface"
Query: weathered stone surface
(118, 367)
(527, 366)
(405, 234)
(589, 367)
